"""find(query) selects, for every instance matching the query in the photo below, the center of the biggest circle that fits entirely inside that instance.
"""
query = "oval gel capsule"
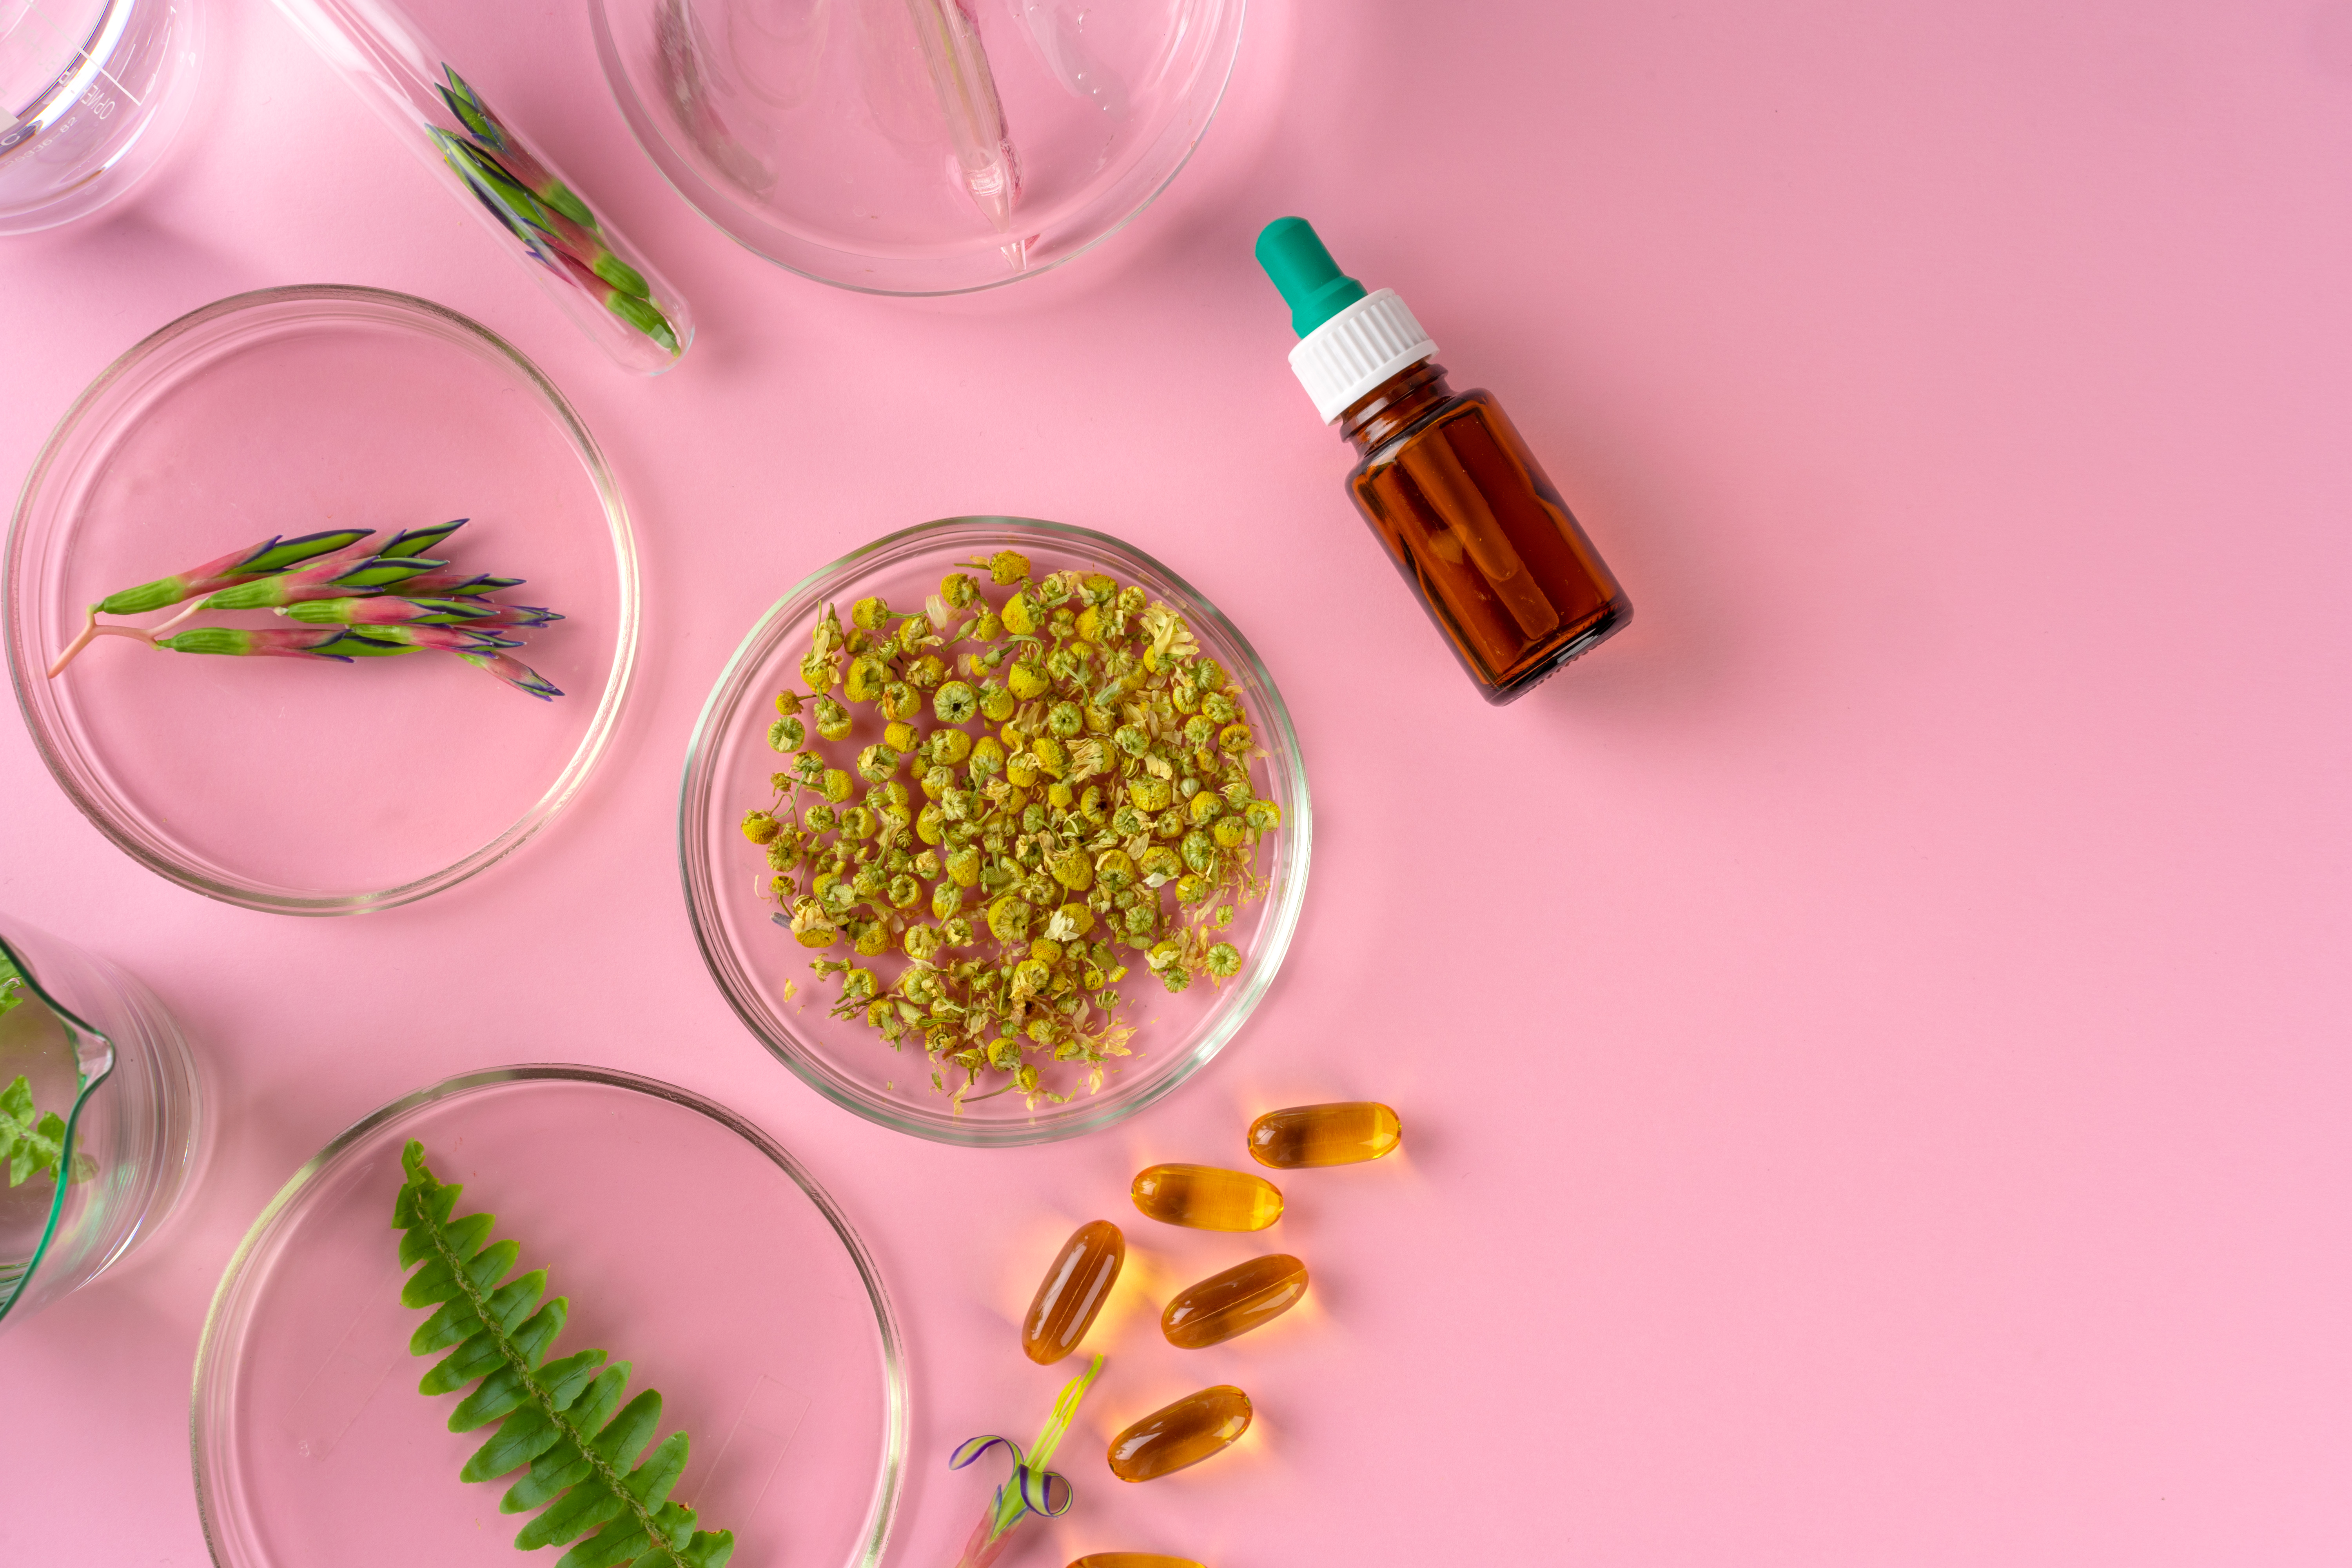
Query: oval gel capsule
(1132, 1560)
(1177, 1436)
(1240, 1299)
(1342, 1134)
(1072, 1291)
(1207, 1198)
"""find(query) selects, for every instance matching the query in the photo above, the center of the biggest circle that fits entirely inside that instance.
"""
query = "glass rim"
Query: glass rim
(344, 301)
(89, 1084)
(1267, 949)
(233, 1296)
(154, 131)
(707, 200)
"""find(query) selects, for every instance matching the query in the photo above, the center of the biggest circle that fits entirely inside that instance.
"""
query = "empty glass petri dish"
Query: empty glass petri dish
(688, 1244)
(92, 92)
(98, 1053)
(767, 976)
(304, 786)
(918, 146)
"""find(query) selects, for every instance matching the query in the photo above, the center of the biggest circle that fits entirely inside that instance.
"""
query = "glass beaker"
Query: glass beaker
(97, 1054)
(90, 94)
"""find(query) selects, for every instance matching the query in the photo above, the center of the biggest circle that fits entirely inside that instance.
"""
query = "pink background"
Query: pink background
(1870, 1038)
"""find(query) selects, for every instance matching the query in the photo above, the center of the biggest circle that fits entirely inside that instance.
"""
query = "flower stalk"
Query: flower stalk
(335, 585)
(542, 212)
(1031, 1488)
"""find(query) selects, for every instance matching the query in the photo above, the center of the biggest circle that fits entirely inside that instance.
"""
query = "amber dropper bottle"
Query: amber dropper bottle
(1468, 515)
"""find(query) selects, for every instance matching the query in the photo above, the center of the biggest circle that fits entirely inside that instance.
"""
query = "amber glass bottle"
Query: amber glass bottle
(1465, 511)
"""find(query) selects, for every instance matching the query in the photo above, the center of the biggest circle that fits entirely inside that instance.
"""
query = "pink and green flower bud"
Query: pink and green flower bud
(517, 210)
(638, 311)
(328, 567)
(440, 639)
(520, 206)
(237, 642)
(475, 115)
(385, 610)
(553, 239)
(411, 542)
(514, 673)
(516, 615)
(451, 584)
(273, 555)
(351, 642)
(334, 580)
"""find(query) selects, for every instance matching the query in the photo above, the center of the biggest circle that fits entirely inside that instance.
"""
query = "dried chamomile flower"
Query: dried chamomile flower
(955, 703)
(1008, 919)
(1027, 679)
(867, 676)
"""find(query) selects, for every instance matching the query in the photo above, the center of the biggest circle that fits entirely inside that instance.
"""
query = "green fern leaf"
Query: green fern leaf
(591, 1478)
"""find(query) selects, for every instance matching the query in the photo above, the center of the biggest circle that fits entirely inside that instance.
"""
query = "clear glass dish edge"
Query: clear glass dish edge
(233, 1296)
(692, 191)
(476, 338)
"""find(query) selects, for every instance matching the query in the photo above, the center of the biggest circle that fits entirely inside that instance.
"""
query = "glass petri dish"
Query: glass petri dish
(295, 786)
(812, 132)
(689, 1243)
(91, 94)
(727, 766)
(99, 1052)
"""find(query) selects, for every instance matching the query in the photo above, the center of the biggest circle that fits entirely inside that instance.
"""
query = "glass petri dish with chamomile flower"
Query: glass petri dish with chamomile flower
(994, 831)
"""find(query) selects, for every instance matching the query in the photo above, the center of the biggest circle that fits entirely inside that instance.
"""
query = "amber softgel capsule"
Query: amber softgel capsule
(1177, 1436)
(1345, 1133)
(1245, 1297)
(1072, 1291)
(1206, 1197)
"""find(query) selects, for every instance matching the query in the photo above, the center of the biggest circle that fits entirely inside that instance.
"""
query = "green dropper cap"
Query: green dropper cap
(1312, 284)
